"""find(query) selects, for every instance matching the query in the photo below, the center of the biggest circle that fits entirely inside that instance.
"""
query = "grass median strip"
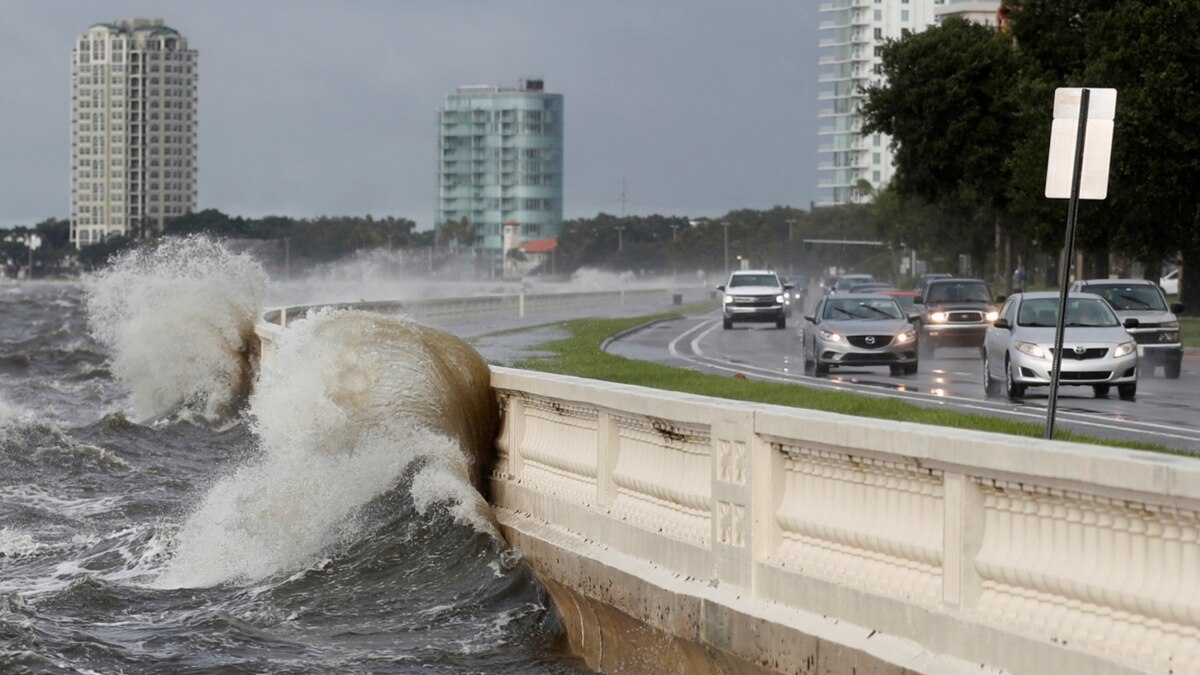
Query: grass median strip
(580, 355)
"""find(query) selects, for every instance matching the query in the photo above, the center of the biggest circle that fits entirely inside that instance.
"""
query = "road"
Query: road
(1166, 412)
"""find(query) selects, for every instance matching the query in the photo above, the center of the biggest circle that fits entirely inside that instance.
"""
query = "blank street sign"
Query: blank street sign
(1097, 144)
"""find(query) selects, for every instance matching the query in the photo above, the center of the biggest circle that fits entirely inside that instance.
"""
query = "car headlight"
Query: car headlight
(1170, 324)
(991, 316)
(830, 336)
(1169, 337)
(1124, 349)
(1031, 349)
(937, 317)
(779, 298)
(728, 299)
(906, 337)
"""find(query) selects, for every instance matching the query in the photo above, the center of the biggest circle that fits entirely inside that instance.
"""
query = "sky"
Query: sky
(314, 107)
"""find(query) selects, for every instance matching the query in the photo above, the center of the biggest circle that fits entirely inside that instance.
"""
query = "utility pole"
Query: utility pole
(287, 258)
(725, 224)
(622, 196)
(791, 251)
(620, 240)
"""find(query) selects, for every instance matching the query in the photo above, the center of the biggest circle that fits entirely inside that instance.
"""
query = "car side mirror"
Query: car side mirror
(788, 287)
(1132, 323)
(1000, 299)
(721, 287)
(919, 300)
(1002, 323)
(811, 318)
(1177, 308)
(914, 318)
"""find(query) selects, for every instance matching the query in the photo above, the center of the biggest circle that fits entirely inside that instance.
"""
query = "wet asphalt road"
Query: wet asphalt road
(1166, 412)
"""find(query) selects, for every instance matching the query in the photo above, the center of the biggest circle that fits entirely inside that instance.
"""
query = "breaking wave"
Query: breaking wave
(179, 319)
(351, 406)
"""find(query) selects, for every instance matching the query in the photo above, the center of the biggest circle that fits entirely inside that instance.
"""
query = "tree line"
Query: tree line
(969, 111)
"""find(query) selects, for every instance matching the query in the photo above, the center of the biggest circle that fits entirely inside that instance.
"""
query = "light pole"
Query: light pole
(620, 240)
(675, 233)
(725, 225)
(791, 253)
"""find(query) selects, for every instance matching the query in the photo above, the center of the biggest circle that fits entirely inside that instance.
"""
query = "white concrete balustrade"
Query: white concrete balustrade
(799, 541)
(1020, 554)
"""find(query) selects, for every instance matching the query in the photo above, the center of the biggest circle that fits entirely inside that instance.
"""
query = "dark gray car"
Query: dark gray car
(1159, 340)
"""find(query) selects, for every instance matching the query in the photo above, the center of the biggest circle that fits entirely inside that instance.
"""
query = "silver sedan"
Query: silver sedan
(859, 330)
(1097, 350)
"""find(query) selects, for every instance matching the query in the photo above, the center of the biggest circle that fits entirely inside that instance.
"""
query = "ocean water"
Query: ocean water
(158, 514)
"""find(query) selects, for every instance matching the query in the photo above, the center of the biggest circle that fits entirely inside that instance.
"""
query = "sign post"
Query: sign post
(1081, 139)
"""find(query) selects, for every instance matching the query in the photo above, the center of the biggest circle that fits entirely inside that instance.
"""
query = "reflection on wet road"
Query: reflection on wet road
(1166, 412)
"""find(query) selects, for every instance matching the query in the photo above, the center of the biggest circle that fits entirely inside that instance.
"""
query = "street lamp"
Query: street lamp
(675, 232)
(725, 225)
(791, 253)
(620, 240)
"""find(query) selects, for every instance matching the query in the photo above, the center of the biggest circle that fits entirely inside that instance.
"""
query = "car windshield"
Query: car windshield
(1081, 312)
(958, 291)
(846, 282)
(754, 280)
(1129, 296)
(869, 310)
(905, 301)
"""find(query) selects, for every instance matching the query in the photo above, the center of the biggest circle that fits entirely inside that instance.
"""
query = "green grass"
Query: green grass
(580, 355)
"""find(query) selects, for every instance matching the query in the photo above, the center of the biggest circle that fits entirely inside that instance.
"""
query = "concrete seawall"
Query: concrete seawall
(681, 533)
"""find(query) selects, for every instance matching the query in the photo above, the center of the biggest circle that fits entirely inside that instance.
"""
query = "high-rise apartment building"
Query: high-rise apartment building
(855, 31)
(133, 129)
(500, 160)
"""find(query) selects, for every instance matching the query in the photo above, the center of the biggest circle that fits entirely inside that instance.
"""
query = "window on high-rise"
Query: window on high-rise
(878, 33)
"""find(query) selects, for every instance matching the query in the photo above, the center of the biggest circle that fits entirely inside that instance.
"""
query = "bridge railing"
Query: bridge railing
(1019, 553)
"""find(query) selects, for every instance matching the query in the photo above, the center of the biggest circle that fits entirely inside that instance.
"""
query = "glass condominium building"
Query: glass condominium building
(853, 33)
(500, 160)
(133, 129)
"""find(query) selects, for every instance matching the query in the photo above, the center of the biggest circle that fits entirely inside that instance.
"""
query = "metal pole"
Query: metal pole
(726, 226)
(1072, 212)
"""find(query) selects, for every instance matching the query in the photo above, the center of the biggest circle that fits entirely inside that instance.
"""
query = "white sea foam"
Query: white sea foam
(345, 406)
(179, 320)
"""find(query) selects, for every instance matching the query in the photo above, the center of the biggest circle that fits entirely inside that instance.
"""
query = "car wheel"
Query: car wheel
(820, 369)
(1171, 368)
(1100, 390)
(781, 322)
(991, 386)
(982, 352)
(726, 324)
(1127, 392)
(1015, 390)
(896, 369)
(911, 368)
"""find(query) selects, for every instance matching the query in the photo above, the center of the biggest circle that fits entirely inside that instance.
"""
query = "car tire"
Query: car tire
(1100, 390)
(1127, 392)
(726, 324)
(820, 369)
(991, 386)
(1015, 390)
(1171, 368)
(781, 322)
(896, 369)
(911, 368)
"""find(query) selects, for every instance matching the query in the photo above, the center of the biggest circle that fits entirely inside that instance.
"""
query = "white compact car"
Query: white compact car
(1097, 350)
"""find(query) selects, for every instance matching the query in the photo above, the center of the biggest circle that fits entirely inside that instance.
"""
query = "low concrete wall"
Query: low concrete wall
(681, 533)
(777, 537)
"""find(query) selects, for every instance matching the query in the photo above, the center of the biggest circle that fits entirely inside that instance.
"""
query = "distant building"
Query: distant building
(853, 35)
(500, 160)
(986, 12)
(133, 129)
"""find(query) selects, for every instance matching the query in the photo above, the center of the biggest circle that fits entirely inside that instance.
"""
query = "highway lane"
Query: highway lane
(1166, 412)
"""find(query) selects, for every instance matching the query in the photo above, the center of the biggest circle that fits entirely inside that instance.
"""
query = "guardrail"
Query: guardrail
(1022, 554)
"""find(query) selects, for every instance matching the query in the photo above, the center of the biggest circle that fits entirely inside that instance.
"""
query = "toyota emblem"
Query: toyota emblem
(1079, 349)
(870, 340)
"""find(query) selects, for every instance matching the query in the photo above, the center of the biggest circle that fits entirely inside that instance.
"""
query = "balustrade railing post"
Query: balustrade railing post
(962, 536)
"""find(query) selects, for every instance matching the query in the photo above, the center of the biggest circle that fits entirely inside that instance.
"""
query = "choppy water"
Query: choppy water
(152, 519)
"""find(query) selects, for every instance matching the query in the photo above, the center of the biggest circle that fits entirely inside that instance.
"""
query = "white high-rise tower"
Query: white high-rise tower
(133, 129)
(853, 33)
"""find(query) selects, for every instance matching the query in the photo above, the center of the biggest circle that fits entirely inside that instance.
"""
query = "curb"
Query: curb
(630, 331)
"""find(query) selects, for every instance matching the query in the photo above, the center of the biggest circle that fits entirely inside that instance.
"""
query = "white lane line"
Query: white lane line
(1083, 419)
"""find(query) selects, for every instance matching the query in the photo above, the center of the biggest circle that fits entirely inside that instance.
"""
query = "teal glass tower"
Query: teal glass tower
(500, 160)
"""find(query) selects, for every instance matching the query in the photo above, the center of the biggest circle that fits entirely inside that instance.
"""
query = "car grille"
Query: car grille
(870, 341)
(964, 317)
(754, 301)
(1085, 375)
(851, 357)
(1090, 353)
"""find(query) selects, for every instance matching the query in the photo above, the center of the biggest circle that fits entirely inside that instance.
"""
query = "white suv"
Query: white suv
(754, 295)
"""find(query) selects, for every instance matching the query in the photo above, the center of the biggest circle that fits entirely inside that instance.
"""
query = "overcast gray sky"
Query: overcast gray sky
(312, 108)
